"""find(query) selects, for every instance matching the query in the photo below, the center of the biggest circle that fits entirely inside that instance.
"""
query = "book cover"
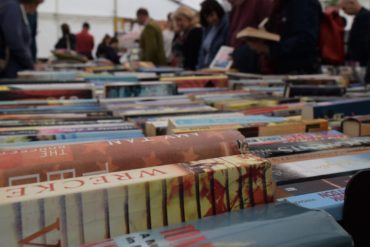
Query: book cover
(293, 172)
(267, 225)
(292, 148)
(303, 137)
(75, 211)
(147, 89)
(51, 162)
(337, 109)
(199, 81)
(331, 201)
(303, 90)
(223, 60)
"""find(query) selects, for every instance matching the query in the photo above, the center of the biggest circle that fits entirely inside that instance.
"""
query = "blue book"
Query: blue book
(331, 201)
(337, 109)
(185, 123)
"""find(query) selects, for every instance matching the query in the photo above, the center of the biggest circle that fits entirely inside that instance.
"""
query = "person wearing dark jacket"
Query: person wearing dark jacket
(15, 39)
(359, 36)
(186, 22)
(103, 46)
(298, 24)
(215, 31)
(112, 51)
(68, 40)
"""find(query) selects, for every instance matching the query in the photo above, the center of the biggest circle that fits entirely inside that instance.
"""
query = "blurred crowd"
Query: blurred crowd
(310, 36)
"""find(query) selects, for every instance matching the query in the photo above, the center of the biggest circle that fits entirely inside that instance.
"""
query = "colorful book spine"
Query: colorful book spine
(304, 137)
(51, 162)
(284, 149)
(331, 201)
(140, 90)
(77, 211)
(199, 81)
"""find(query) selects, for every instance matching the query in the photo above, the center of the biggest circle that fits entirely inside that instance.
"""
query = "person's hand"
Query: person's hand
(259, 46)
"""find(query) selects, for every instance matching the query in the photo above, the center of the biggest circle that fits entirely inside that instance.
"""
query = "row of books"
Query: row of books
(78, 171)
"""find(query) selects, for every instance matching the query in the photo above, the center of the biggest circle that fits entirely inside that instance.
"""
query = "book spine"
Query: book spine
(75, 211)
(50, 162)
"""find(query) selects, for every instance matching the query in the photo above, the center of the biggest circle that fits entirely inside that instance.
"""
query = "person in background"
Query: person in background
(103, 46)
(359, 37)
(15, 39)
(85, 42)
(112, 51)
(32, 16)
(215, 31)
(246, 13)
(298, 24)
(68, 40)
(151, 39)
(187, 23)
(168, 36)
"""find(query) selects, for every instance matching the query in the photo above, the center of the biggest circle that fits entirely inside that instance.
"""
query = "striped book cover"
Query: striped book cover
(76, 211)
(68, 160)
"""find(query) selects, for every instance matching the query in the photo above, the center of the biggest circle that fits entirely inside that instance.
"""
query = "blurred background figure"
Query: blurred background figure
(68, 40)
(215, 25)
(298, 24)
(246, 13)
(15, 38)
(112, 51)
(103, 46)
(190, 41)
(32, 16)
(168, 36)
(151, 39)
(85, 42)
(359, 37)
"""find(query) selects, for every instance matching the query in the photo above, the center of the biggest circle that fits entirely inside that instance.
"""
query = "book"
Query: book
(227, 230)
(59, 91)
(223, 60)
(254, 33)
(331, 201)
(198, 81)
(304, 137)
(259, 129)
(10, 123)
(293, 172)
(315, 90)
(285, 110)
(75, 211)
(337, 109)
(292, 148)
(356, 126)
(65, 75)
(51, 162)
(241, 105)
(143, 89)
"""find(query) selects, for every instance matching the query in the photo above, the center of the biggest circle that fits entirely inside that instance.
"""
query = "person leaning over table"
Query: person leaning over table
(215, 31)
(298, 24)
(187, 23)
(15, 39)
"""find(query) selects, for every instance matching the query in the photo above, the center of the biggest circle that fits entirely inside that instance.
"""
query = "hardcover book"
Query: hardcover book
(143, 89)
(261, 34)
(52, 162)
(338, 109)
(75, 211)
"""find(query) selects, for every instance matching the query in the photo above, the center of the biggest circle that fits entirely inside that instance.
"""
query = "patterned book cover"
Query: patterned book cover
(76, 211)
(51, 162)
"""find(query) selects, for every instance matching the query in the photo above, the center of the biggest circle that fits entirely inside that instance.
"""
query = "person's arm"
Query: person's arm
(303, 21)
(12, 26)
